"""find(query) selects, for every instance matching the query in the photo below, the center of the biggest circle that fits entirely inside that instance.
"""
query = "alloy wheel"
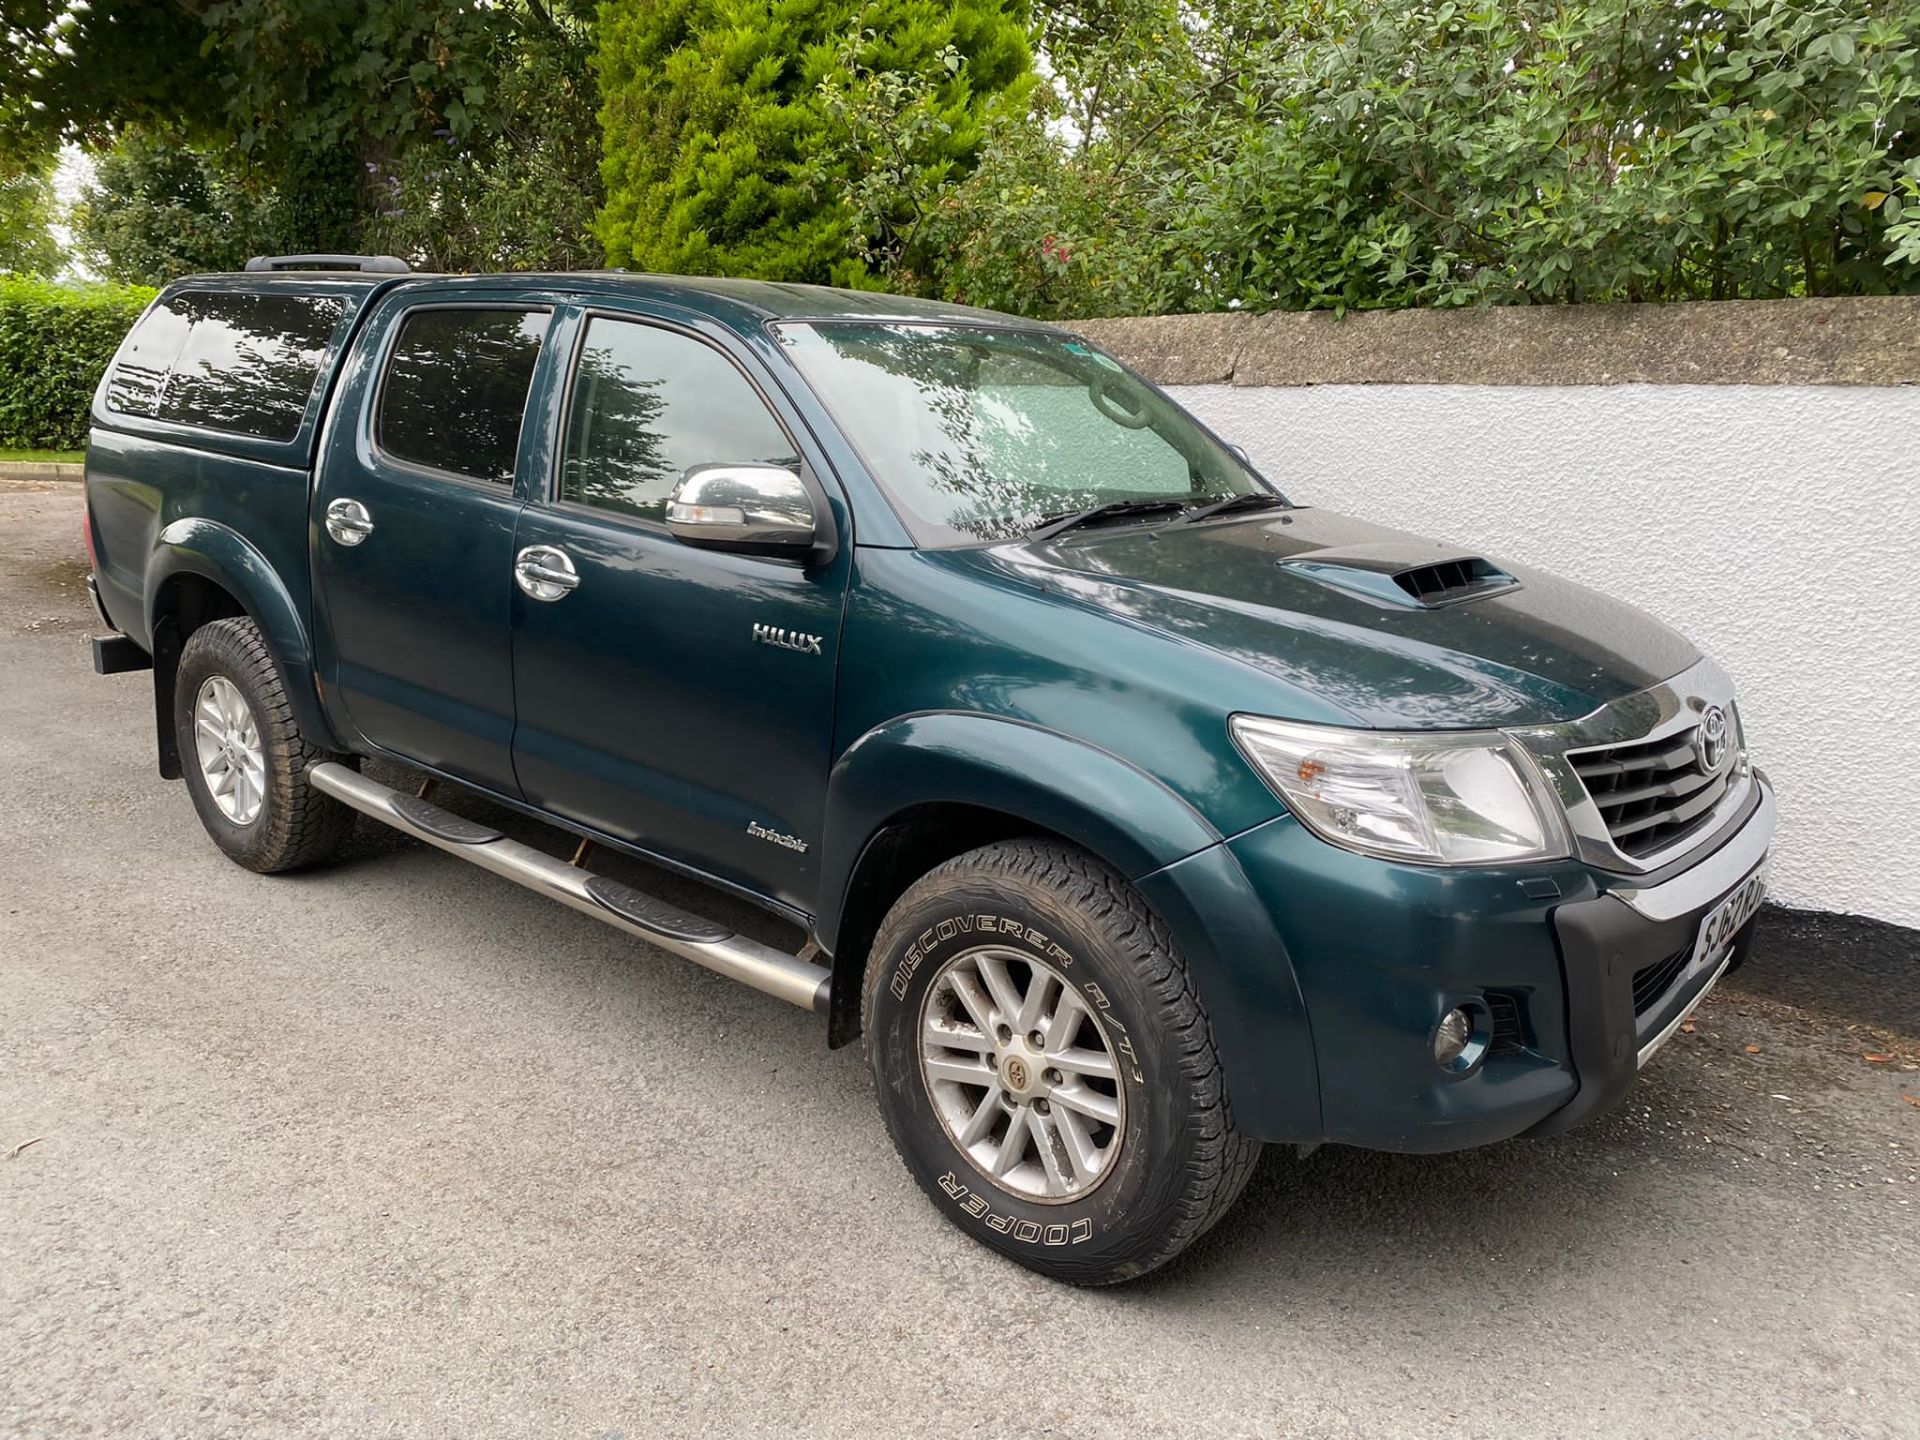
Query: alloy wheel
(233, 760)
(1022, 1075)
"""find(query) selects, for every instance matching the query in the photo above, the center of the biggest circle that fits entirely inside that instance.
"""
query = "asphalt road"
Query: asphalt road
(396, 1149)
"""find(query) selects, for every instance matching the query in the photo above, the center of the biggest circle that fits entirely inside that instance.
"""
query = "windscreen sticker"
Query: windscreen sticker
(1077, 348)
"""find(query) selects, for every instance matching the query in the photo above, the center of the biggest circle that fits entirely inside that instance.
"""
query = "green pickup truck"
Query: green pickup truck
(1134, 813)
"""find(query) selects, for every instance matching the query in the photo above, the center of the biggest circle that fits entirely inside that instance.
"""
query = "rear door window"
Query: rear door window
(455, 390)
(238, 362)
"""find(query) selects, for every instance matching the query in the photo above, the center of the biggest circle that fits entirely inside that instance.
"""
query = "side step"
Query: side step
(692, 937)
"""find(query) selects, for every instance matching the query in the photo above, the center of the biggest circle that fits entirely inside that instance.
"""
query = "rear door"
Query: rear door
(413, 520)
(675, 697)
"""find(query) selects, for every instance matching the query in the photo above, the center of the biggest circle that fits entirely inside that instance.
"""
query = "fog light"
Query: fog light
(1450, 1041)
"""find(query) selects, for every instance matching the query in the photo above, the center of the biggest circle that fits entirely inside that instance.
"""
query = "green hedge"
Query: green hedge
(55, 340)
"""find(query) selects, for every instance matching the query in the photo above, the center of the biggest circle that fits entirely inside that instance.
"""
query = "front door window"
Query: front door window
(648, 403)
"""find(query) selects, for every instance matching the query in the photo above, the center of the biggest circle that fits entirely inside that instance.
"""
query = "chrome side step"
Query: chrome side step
(692, 937)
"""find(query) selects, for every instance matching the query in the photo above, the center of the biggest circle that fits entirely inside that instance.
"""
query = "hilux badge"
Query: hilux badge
(787, 639)
(1710, 740)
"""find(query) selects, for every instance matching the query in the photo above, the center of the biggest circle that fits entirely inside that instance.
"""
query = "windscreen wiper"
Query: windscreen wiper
(1252, 500)
(1060, 524)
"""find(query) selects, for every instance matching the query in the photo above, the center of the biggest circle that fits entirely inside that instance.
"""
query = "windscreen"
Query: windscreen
(983, 433)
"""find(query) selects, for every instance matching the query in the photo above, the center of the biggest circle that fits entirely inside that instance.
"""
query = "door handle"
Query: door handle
(348, 521)
(545, 572)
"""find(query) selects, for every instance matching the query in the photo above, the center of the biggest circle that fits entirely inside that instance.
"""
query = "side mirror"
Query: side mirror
(754, 509)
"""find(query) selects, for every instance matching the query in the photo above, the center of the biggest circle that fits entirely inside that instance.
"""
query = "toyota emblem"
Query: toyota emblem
(1710, 740)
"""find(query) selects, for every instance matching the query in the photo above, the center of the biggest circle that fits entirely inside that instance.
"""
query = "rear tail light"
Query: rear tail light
(86, 535)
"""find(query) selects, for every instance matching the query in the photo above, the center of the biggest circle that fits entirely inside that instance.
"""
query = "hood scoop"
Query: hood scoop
(1399, 574)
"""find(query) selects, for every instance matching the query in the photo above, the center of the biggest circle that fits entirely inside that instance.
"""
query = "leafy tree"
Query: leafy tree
(1072, 205)
(159, 207)
(27, 242)
(732, 148)
(522, 191)
(306, 94)
(82, 74)
(318, 90)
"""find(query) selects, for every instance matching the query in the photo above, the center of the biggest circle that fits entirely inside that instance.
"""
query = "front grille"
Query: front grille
(1651, 983)
(1650, 792)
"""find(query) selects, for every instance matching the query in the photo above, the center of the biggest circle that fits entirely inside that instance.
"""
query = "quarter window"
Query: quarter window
(647, 404)
(455, 390)
(239, 362)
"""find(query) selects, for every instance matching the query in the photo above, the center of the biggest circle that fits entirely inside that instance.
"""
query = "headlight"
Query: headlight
(1439, 798)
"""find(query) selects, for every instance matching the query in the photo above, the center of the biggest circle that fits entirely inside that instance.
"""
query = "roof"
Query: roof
(775, 299)
(742, 304)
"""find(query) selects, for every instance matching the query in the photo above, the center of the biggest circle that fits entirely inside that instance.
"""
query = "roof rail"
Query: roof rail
(376, 264)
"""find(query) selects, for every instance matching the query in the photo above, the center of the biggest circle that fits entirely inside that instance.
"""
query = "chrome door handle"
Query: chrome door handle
(348, 521)
(545, 572)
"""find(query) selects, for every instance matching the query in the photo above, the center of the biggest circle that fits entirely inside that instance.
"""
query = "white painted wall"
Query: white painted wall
(1778, 528)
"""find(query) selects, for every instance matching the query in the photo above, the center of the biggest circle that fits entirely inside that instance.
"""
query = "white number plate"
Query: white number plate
(1725, 920)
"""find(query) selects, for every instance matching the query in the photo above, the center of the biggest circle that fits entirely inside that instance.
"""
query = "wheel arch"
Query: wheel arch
(917, 791)
(202, 571)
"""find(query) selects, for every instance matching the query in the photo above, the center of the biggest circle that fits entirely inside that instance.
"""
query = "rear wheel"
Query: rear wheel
(244, 757)
(1045, 1067)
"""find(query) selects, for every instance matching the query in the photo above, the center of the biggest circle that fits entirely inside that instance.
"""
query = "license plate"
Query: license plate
(1726, 919)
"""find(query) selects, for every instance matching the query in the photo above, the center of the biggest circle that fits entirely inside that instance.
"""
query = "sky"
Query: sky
(73, 174)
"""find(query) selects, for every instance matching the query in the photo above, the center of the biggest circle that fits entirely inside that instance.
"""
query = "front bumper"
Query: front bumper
(1551, 953)
(1633, 969)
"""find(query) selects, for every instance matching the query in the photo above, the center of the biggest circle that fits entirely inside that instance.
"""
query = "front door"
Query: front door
(675, 697)
(413, 518)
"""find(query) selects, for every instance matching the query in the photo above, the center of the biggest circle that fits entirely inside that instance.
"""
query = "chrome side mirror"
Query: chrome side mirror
(758, 509)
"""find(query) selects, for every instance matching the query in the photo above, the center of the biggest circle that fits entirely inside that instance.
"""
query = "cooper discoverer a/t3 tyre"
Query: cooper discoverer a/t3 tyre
(1045, 1067)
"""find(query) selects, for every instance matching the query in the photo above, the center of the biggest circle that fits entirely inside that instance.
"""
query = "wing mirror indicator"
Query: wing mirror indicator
(757, 509)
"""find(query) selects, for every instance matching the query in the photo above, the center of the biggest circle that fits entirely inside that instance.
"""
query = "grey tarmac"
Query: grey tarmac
(395, 1149)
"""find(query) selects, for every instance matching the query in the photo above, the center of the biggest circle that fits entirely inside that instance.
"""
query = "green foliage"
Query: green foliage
(1070, 209)
(27, 243)
(159, 207)
(55, 341)
(519, 192)
(324, 94)
(1337, 153)
(81, 74)
(744, 137)
(319, 102)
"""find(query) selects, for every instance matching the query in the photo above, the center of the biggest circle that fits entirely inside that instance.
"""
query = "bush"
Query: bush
(730, 149)
(1309, 154)
(55, 342)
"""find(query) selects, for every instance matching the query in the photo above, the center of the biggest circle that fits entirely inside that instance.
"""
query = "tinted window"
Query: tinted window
(456, 389)
(146, 358)
(242, 363)
(648, 403)
(249, 361)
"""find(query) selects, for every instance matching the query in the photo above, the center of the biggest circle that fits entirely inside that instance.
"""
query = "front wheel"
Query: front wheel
(1045, 1067)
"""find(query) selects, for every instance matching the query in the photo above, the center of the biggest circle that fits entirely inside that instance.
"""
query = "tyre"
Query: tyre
(1045, 1067)
(244, 757)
